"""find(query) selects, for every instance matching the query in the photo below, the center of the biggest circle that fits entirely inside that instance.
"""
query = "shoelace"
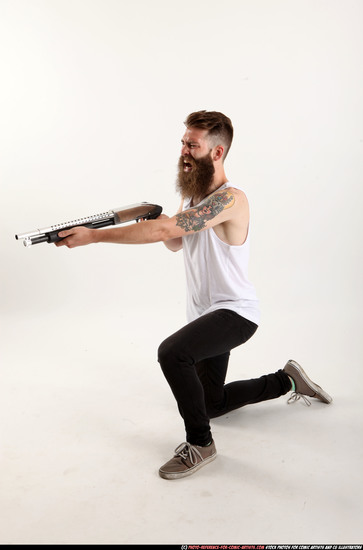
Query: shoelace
(296, 396)
(186, 450)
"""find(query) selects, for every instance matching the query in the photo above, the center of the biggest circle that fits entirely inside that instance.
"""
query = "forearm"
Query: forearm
(150, 231)
(141, 233)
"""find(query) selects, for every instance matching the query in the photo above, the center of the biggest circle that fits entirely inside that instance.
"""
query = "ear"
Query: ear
(218, 152)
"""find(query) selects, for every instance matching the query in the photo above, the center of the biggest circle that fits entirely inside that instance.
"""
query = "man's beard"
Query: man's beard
(196, 182)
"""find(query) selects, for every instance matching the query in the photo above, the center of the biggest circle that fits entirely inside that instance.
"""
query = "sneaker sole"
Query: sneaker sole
(189, 472)
(320, 393)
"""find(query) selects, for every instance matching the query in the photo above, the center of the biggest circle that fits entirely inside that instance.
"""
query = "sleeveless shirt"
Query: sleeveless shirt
(217, 274)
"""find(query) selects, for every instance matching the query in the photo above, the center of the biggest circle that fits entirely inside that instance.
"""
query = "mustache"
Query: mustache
(195, 163)
(190, 160)
(200, 164)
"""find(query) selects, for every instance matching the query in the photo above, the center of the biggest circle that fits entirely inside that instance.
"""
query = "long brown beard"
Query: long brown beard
(197, 182)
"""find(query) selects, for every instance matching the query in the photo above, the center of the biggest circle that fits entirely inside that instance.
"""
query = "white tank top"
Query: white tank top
(217, 274)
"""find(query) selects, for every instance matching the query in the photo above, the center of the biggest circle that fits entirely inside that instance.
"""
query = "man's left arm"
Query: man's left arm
(213, 210)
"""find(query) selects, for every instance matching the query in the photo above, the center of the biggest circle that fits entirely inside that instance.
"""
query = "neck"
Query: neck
(219, 179)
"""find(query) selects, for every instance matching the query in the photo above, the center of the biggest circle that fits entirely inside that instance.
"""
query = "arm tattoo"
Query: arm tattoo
(195, 219)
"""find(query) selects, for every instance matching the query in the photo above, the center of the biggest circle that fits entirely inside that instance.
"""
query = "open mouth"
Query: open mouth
(187, 166)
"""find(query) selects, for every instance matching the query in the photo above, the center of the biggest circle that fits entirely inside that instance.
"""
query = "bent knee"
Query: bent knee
(171, 353)
(167, 352)
(215, 409)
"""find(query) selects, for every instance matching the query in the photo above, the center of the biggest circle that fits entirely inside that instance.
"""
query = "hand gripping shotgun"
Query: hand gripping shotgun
(137, 212)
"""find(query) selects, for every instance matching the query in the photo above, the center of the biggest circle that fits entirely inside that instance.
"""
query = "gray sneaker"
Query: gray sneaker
(303, 385)
(187, 460)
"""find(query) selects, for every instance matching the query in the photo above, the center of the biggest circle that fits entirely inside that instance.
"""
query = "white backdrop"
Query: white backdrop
(93, 97)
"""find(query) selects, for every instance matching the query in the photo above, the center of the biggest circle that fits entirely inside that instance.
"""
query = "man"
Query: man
(212, 228)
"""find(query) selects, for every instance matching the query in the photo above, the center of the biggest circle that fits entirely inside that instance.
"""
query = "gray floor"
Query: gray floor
(87, 419)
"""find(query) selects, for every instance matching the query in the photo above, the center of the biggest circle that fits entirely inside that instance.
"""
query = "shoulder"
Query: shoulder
(230, 196)
(237, 193)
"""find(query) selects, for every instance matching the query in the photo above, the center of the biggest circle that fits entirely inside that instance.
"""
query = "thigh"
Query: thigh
(211, 335)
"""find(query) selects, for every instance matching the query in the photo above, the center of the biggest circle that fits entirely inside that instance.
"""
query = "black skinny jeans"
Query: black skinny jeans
(194, 361)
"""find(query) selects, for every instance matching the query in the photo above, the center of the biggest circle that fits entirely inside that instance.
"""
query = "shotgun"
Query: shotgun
(137, 212)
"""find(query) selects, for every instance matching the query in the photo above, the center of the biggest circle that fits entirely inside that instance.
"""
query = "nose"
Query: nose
(185, 150)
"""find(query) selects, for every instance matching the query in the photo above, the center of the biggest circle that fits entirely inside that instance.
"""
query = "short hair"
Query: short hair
(219, 126)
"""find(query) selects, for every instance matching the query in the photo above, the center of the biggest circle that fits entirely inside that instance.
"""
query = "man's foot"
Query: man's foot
(187, 460)
(303, 385)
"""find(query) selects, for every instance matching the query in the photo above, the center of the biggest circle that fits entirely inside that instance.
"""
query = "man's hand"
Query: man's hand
(77, 236)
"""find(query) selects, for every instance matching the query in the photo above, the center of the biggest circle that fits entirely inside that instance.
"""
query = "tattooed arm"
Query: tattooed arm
(197, 218)
(217, 208)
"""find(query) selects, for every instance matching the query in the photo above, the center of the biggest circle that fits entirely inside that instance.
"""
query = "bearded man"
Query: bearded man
(212, 228)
